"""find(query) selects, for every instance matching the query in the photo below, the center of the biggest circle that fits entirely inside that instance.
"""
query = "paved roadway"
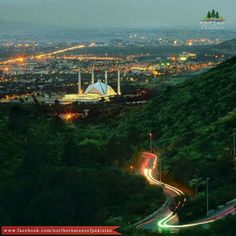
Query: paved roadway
(166, 217)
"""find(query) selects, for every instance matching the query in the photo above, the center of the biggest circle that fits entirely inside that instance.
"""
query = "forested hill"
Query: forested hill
(192, 124)
(194, 121)
(44, 160)
(227, 47)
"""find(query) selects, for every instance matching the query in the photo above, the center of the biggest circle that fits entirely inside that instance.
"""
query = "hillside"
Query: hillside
(192, 125)
(228, 47)
(193, 121)
(56, 173)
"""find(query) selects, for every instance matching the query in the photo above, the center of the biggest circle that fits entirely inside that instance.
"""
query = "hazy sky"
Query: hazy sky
(114, 13)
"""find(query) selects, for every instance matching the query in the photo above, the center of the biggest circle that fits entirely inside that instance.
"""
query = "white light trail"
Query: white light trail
(165, 222)
(40, 56)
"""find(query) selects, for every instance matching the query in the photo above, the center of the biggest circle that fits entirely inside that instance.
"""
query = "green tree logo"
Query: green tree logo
(213, 16)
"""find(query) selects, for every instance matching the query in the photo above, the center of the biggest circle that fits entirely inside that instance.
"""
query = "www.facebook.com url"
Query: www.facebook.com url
(59, 230)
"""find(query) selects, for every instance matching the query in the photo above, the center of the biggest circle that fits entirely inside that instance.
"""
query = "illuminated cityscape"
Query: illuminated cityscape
(36, 72)
(118, 117)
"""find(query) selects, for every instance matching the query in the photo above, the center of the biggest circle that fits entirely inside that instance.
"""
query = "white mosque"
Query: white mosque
(95, 91)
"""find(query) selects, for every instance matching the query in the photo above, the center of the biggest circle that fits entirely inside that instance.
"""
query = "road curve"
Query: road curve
(164, 217)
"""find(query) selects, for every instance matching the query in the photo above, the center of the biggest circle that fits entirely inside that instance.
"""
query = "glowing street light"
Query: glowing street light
(131, 169)
(159, 161)
(150, 141)
(68, 117)
(195, 183)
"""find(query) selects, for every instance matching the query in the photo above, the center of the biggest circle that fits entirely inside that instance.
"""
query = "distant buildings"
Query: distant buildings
(186, 55)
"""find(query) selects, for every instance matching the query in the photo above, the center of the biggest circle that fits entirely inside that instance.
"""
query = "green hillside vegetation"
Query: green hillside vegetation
(192, 123)
(54, 173)
(69, 167)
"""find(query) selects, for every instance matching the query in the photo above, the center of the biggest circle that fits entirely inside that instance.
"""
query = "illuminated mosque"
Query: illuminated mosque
(95, 91)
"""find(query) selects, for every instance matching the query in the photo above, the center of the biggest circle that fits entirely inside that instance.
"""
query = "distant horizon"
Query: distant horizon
(93, 14)
(95, 28)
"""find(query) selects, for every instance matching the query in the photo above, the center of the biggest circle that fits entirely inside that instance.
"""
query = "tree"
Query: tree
(213, 14)
(217, 15)
(209, 15)
(18, 119)
(70, 153)
(52, 207)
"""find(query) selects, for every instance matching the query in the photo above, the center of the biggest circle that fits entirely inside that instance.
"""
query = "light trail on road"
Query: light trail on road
(92, 58)
(165, 222)
(43, 55)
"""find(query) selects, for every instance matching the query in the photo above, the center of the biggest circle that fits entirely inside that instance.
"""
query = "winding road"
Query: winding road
(166, 217)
